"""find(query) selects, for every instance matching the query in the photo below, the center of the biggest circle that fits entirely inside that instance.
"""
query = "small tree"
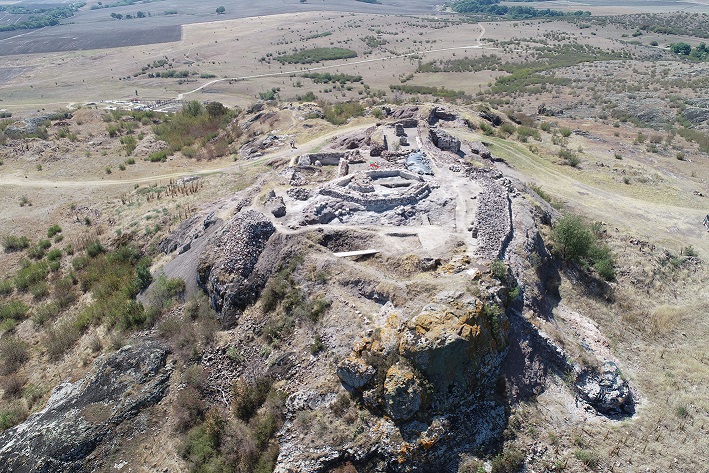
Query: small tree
(572, 238)
(216, 109)
(221, 10)
(681, 48)
(192, 108)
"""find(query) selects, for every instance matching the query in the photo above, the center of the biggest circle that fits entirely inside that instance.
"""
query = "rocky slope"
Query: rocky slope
(79, 416)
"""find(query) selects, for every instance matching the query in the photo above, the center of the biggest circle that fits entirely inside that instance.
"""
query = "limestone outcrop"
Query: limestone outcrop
(354, 372)
(80, 416)
(606, 390)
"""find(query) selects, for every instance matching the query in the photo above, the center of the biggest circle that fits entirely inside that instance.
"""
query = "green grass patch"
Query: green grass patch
(309, 56)
(441, 92)
(339, 113)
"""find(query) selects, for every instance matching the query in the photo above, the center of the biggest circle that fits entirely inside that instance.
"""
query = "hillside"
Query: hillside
(370, 250)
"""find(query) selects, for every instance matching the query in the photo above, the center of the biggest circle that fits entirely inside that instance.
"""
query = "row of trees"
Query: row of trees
(118, 16)
(492, 7)
(41, 18)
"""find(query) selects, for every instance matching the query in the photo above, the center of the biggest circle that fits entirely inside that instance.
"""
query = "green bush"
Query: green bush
(575, 240)
(572, 238)
(39, 290)
(690, 251)
(6, 287)
(53, 230)
(249, 396)
(158, 156)
(13, 243)
(588, 458)
(498, 270)
(339, 113)
(54, 254)
(11, 416)
(30, 273)
(46, 312)
(570, 157)
(61, 338)
(94, 248)
(80, 262)
(309, 56)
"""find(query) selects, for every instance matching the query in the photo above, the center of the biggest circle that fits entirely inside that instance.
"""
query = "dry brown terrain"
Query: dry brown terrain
(645, 182)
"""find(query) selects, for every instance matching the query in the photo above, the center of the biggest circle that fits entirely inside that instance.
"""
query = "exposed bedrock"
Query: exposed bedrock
(80, 416)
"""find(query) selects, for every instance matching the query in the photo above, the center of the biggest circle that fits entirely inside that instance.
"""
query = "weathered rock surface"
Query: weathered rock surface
(480, 149)
(228, 269)
(354, 372)
(405, 113)
(606, 390)
(454, 346)
(491, 117)
(403, 394)
(80, 416)
(276, 205)
(696, 115)
(354, 140)
(189, 230)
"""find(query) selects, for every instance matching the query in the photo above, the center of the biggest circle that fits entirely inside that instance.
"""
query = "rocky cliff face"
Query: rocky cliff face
(80, 416)
(231, 269)
(428, 385)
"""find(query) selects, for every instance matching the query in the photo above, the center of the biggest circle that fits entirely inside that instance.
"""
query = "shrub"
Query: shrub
(498, 270)
(249, 396)
(570, 157)
(574, 240)
(509, 461)
(587, 457)
(53, 230)
(80, 262)
(158, 157)
(189, 409)
(14, 309)
(6, 287)
(13, 243)
(11, 416)
(690, 251)
(45, 312)
(13, 354)
(94, 248)
(316, 55)
(13, 385)
(339, 113)
(60, 339)
(39, 290)
(30, 273)
(54, 254)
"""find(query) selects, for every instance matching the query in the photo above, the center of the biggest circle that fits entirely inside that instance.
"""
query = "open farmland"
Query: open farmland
(96, 29)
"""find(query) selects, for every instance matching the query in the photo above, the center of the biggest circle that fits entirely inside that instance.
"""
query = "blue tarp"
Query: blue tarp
(418, 163)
